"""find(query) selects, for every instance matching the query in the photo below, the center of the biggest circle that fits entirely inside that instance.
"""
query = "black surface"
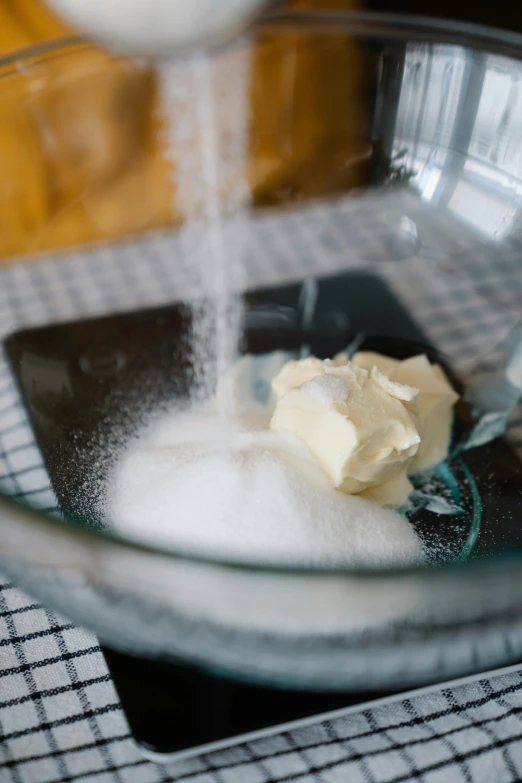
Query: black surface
(80, 379)
(173, 707)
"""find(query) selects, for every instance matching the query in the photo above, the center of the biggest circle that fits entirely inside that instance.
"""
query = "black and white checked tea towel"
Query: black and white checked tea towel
(60, 719)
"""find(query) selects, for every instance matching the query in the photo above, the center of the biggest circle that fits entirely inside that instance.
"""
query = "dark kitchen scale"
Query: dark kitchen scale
(96, 371)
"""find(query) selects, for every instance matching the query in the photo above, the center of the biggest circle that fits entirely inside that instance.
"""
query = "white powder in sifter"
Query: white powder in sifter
(158, 26)
(230, 487)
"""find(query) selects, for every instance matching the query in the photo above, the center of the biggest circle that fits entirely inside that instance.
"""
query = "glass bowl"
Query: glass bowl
(378, 148)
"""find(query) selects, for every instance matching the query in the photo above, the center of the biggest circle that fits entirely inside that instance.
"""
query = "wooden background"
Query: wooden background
(81, 158)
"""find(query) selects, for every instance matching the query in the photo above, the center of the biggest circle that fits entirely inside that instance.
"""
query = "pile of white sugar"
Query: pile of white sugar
(229, 487)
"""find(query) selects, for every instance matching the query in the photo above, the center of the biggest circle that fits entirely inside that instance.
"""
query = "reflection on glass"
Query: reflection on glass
(484, 211)
(458, 130)
(497, 124)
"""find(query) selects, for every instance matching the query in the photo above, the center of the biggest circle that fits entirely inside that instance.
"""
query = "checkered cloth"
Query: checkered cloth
(60, 719)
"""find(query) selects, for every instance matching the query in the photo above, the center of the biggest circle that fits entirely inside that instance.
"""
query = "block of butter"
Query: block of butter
(360, 424)
(435, 401)
(297, 371)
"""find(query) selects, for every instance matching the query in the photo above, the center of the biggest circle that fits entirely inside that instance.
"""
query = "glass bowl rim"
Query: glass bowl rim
(362, 25)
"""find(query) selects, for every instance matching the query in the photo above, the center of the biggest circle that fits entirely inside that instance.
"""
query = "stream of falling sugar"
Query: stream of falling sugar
(205, 104)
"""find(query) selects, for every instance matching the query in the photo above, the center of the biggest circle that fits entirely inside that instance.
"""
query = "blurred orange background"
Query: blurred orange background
(81, 156)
